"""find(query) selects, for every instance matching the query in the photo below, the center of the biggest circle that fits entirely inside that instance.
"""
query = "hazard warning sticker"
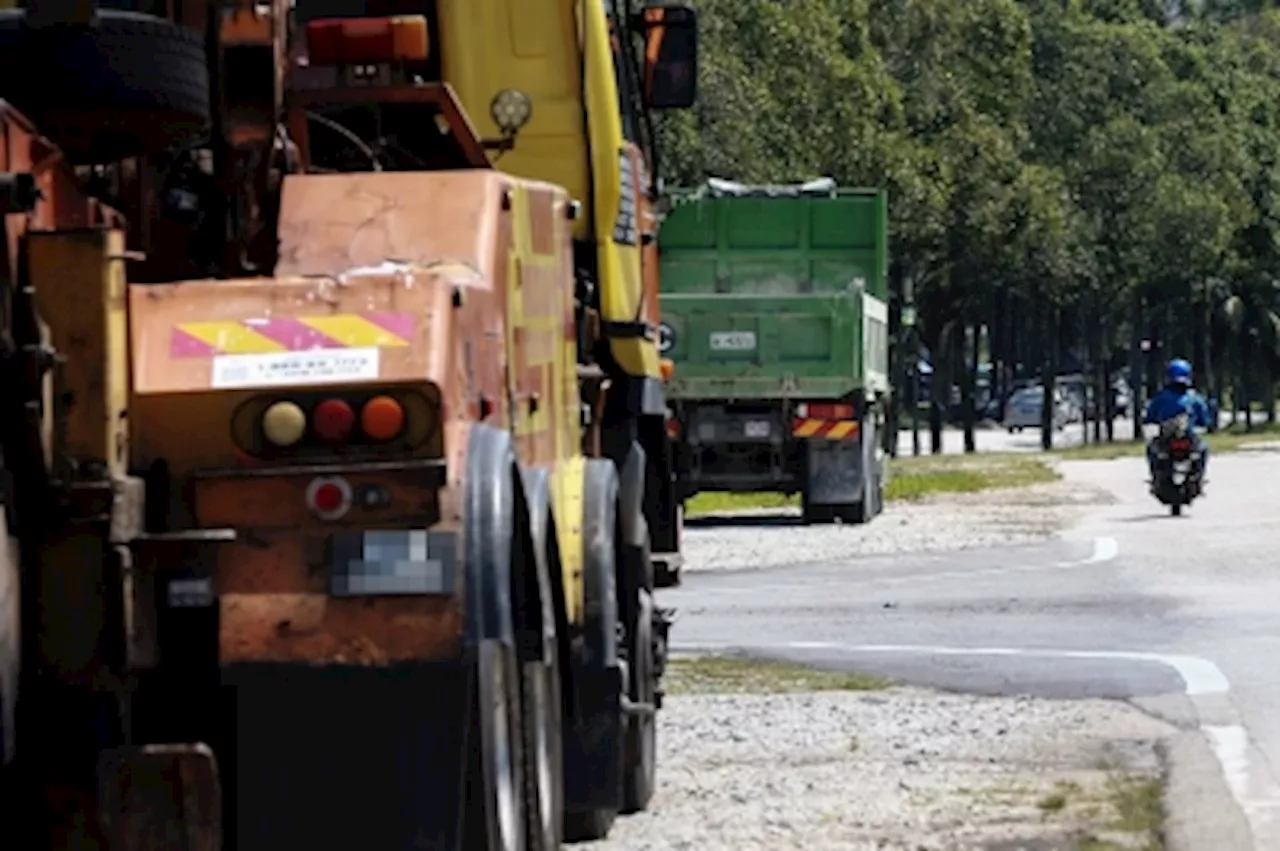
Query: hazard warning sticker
(277, 369)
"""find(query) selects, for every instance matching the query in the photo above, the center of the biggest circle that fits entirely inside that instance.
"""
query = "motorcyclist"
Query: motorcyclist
(1176, 398)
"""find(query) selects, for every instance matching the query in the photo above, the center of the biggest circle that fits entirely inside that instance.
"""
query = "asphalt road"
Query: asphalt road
(1182, 616)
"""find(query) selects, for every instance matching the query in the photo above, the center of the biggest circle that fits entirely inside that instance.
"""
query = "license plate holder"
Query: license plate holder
(395, 562)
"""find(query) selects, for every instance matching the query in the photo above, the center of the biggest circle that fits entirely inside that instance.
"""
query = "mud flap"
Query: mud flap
(836, 472)
(160, 798)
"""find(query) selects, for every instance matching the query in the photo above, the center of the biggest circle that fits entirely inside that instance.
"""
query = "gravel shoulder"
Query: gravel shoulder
(937, 523)
(902, 769)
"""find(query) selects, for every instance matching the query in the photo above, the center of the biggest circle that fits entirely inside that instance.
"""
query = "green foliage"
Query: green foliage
(1057, 152)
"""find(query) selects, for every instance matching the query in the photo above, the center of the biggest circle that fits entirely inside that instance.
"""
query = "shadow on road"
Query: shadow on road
(705, 521)
(1142, 518)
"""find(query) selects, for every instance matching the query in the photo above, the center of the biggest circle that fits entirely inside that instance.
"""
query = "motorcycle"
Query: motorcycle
(1177, 470)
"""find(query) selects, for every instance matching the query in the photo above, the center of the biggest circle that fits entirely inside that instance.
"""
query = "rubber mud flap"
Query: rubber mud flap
(346, 757)
(160, 798)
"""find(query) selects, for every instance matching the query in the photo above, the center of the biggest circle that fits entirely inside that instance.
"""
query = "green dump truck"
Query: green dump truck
(775, 318)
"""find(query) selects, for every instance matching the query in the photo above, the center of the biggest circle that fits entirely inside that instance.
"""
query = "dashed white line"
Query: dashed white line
(1104, 550)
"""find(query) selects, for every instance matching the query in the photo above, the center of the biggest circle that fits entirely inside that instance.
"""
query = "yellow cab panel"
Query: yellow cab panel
(561, 56)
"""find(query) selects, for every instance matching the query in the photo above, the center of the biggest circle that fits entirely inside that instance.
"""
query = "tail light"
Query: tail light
(382, 418)
(824, 411)
(673, 428)
(316, 424)
(333, 420)
(329, 497)
(284, 424)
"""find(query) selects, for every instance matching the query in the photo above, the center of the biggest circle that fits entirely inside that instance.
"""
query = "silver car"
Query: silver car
(1024, 407)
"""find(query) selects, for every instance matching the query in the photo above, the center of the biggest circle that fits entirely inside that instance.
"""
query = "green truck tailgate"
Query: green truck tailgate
(770, 293)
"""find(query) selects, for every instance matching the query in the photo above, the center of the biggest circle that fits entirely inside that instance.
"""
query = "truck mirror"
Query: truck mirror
(670, 56)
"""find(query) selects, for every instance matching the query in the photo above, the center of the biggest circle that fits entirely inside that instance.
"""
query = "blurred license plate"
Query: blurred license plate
(756, 428)
(395, 561)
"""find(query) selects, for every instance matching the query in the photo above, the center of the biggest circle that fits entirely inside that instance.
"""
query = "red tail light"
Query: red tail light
(333, 420)
(824, 411)
(673, 428)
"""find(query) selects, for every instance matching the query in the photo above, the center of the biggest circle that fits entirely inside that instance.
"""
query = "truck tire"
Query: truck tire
(494, 819)
(131, 85)
(541, 695)
(602, 732)
(543, 754)
(639, 778)
(866, 510)
(10, 638)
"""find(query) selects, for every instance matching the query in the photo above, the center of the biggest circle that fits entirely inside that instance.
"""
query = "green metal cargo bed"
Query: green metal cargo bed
(774, 292)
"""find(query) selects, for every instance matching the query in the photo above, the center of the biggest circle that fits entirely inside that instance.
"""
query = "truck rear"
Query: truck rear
(774, 315)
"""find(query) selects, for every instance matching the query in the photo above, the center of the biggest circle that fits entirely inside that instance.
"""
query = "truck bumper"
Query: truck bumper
(737, 447)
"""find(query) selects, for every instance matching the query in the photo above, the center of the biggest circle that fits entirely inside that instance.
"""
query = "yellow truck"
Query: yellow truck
(334, 449)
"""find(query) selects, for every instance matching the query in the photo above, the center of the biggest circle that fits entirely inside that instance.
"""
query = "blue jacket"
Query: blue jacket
(1172, 400)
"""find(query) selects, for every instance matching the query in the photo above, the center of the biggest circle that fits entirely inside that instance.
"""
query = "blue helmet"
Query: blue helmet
(1179, 371)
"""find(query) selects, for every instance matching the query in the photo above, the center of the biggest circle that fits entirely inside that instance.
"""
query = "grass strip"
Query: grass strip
(739, 675)
(911, 478)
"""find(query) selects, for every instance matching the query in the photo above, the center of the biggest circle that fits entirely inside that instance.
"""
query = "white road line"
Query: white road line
(1104, 550)
(1250, 781)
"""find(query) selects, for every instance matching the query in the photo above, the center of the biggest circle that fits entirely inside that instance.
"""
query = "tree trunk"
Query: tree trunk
(1246, 389)
(1204, 351)
(1269, 389)
(999, 348)
(913, 389)
(968, 403)
(1137, 377)
(939, 391)
(1094, 370)
(1048, 360)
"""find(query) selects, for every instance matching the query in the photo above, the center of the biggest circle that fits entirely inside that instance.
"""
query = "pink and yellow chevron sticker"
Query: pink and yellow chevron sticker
(291, 334)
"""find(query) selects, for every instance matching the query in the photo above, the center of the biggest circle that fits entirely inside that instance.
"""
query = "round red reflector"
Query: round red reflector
(333, 420)
(330, 498)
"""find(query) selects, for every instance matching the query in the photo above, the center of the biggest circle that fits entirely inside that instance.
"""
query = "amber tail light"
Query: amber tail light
(382, 419)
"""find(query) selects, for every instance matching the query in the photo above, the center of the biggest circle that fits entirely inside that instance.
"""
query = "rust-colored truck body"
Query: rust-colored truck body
(459, 302)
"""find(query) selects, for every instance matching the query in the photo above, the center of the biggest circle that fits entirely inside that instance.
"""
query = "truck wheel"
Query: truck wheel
(811, 513)
(642, 729)
(543, 754)
(600, 737)
(495, 819)
(534, 563)
(133, 84)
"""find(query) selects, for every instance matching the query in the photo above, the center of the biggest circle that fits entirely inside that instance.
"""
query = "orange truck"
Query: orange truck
(334, 451)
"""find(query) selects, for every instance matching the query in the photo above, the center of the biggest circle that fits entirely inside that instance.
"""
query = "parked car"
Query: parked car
(1024, 408)
(1122, 397)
